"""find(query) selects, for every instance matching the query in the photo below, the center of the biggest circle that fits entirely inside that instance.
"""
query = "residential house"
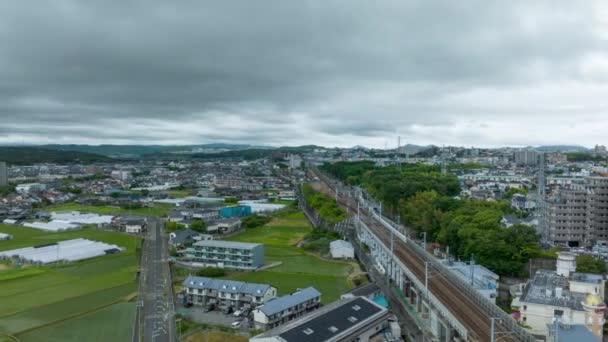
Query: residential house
(286, 308)
(226, 293)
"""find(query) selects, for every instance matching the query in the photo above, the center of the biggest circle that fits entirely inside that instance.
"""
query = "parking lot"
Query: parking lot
(215, 317)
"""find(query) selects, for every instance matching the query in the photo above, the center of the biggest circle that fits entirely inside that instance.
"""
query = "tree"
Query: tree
(173, 226)
(199, 226)
(422, 214)
(589, 264)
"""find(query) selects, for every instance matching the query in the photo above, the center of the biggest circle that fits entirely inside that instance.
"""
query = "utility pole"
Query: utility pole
(493, 329)
(424, 240)
(472, 271)
(556, 328)
(426, 278)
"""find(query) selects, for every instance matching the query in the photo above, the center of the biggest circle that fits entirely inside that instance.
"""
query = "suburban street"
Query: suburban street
(158, 308)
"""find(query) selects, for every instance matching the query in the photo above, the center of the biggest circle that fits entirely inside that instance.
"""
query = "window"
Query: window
(356, 307)
(308, 331)
(352, 319)
(332, 329)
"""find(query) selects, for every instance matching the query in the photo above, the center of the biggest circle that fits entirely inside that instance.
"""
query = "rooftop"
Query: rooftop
(329, 322)
(229, 286)
(542, 290)
(364, 290)
(340, 244)
(226, 244)
(282, 303)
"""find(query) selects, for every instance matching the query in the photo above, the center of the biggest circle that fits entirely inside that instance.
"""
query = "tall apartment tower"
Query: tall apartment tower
(526, 157)
(3, 174)
(578, 214)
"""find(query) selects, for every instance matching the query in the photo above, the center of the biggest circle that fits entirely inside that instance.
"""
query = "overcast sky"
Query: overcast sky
(276, 72)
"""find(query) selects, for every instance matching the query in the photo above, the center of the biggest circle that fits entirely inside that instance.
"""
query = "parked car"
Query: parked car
(236, 324)
(227, 310)
(209, 307)
(187, 305)
(238, 313)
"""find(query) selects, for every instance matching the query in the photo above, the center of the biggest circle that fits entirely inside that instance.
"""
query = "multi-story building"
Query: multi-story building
(600, 150)
(226, 293)
(227, 254)
(351, 319)
(3, 174)
(574, 298)
(526, 157)
(120, 175)
(286, 308)
(577, 214)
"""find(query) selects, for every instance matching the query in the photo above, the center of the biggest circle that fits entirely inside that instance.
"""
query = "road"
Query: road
(468, 312)
(158, 310)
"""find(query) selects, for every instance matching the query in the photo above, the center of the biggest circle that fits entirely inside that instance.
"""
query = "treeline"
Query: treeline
(33, 155)
(324, 205)
(472, 229)
(425, 201)
(392, 184)
(582, 156)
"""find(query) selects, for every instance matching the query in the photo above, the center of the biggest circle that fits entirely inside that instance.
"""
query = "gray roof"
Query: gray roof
(340, 244)
(541, 290)
(226, 244)
(184, 235)
(364, 290)
(335, 315)
(229, 286)
(282, 303)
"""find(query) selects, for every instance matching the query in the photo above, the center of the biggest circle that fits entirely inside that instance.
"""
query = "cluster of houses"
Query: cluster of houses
(298, 316)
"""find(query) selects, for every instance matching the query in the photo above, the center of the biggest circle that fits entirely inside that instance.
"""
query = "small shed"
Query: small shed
(341, 249)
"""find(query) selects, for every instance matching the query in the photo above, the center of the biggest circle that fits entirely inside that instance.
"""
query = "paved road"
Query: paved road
(158, 305)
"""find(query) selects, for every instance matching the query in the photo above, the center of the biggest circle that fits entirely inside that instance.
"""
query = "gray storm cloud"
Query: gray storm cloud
(286, 73)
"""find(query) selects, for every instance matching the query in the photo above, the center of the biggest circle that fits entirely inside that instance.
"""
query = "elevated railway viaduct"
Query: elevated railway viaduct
(450, 309)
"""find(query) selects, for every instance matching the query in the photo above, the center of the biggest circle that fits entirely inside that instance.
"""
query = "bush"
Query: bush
(173, 226)
(254, 221)
(211, 272)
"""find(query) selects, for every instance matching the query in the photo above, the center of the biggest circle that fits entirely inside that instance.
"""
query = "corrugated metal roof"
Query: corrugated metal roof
(229, 286)
(282, 303)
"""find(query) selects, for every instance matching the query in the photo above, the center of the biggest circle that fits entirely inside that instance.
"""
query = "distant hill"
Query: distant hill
(31, 155)
(428, 152)
(562, 148)
(255, 153)
(413, 149)
(139, 150)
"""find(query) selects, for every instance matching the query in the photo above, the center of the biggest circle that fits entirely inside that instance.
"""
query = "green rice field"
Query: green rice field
(33, 298)
(298, 268)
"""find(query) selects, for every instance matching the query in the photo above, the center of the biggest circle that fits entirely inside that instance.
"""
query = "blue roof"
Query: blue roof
(282, 303)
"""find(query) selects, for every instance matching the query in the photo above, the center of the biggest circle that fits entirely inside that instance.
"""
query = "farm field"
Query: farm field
(31, 297)
(298, 268)
(159, 209)
(113, 323)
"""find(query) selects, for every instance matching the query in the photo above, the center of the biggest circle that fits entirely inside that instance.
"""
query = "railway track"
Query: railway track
(476, 320)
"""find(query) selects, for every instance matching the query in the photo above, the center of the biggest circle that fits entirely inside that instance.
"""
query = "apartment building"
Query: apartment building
(526, 157)
(577, 214)
(226, 293)
(287, 308)
(227, 254)
(351, 319)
